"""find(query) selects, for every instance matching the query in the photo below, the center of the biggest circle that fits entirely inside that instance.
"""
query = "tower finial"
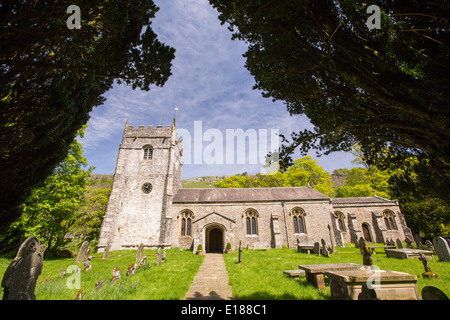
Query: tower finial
(126, 124)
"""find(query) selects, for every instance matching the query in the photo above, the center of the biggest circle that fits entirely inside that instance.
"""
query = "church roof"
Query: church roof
(355, 201)
(247, 194)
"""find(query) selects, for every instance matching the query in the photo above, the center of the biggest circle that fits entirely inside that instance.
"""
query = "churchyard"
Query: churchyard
(259, 275)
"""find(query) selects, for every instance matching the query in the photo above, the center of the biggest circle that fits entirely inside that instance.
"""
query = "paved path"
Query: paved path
(211, 280)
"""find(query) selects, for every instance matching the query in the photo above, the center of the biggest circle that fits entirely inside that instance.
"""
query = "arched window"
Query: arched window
(340, 221)
(148, 152)
(186, 223)
(251, 223)
(298, 220)
(389, 220)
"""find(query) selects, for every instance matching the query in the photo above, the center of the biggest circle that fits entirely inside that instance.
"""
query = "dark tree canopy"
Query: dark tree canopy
(380, 88)
(53, 76)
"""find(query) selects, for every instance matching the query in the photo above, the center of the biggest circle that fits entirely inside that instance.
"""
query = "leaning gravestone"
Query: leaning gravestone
(84, 252)
(159, 256)
(442, 249)
(106, 253)
(366, 252)
(115, 275)
(399, 244)
(433, 293)
(316, 249)
(19, 280)
(325, 252)
(409, 243)
(143, 262)
(132, 268)
(429, 245)
(139, 252)
(417, 240)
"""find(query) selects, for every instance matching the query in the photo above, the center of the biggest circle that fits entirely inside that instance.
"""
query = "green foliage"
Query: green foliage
(362, 182)
(381, 87)
(422, 190)
(52, 77)
(53, 209)
(305, 171)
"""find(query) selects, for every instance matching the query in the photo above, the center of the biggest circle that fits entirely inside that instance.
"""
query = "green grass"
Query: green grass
(168, 281)
(260, 275)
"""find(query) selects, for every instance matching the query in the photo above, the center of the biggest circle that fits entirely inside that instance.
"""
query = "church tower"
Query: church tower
(148, 174)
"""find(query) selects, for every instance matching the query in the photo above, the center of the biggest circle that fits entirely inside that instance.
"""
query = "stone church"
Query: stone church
(148, 205)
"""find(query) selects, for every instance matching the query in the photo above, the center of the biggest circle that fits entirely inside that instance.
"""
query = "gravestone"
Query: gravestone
(442, 249)
(143, 262)
(99, 285)
(62, 273)
(132, 268)
(84, 252)
(115, 275)
(106, 253)
(240, 252)
(158, 257)
(298, 245)
(417, 240)
(87, 264)
(79, 295)
(409, 243)
(139, 252)
(331, 239)
(19, 280)
(164, 255)
(325, 252)
(428, 273)
(316, 249)
(429, 245)
(433, 293)
(366, 252)
(399, 244)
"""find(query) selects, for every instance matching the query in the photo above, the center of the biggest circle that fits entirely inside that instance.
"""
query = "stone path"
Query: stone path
(211, 280)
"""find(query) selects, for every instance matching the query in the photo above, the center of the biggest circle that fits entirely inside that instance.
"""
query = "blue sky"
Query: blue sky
(209, 83)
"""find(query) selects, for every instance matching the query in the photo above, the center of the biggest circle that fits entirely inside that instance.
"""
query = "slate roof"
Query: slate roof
(359, 200)
(199, 195)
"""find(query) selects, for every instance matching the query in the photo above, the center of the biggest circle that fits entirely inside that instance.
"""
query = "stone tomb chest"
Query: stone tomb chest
(388, 285)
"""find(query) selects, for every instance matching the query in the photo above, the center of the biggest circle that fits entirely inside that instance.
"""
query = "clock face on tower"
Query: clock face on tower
(147, 187)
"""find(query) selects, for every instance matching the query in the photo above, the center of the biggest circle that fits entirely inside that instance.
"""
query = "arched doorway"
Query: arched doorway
(366, 232)
(214, 240)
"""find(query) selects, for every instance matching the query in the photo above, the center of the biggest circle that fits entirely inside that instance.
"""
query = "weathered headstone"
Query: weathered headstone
(409, 243)
(325, 252)
(62, 273)
(298, 245)
(399, 244)
(87, 264)
(331, 239)
(366, 252)
(417, 240)
(99, 285)
(442, 249)
(115, 275)
(240, 252)
(143, 262)
(433, 293)
(139, 252)
(164, 255)
(132, 268)
(316, 249)
(19, 280)
(79, 295)
(159, 256)
(428, 273)
(429, 245)
(106, 253)
(83, 254)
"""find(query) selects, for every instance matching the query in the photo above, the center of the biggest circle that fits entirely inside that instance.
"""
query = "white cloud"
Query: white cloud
(209, 84)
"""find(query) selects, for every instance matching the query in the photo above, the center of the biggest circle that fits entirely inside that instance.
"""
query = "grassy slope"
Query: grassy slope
(168, 281)
(260, 275)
